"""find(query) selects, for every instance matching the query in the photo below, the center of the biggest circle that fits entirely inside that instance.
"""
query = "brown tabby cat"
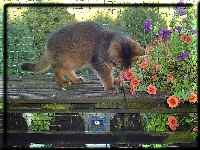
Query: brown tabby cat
(86, 43)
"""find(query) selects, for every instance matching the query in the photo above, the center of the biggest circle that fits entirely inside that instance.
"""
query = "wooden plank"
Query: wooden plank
(23, 91)
(45, 90)
(21, 138)
(28, 97)
(100, 110)
(115, 105)
(126, 137)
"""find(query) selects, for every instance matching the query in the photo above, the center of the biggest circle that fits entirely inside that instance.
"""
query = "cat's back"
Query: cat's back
(77, 34)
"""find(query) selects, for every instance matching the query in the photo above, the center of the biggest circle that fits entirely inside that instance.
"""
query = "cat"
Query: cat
(86, 43)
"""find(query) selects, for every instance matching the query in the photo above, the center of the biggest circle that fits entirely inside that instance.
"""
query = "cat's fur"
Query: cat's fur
(86, 43)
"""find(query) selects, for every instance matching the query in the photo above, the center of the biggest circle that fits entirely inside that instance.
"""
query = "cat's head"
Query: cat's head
(123, 51)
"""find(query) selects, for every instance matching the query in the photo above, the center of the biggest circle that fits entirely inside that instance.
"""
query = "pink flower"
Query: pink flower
(128, 74)
(173, 123)
(151, 89)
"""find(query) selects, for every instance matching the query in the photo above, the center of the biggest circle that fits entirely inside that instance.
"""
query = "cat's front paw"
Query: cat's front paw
(78, 80)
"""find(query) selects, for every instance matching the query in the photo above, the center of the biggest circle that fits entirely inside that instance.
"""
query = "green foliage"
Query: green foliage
(189, 121)
(102, 18)
(107, 22)
(166, 54)
(20, 45)
(155, 122)
(41, 121)
(181, 137)
(43, 21)
(28, 34)
(132, 20)
(185, 71)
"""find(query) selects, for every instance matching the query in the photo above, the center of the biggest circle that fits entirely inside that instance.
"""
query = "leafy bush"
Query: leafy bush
(189, 121)
(176, 54)
(20, 45)
(28, 33)
(155, 122)
(41, 121)
(106, 20)
(102, 18)
(43, 21)
(132, 20)
(184, 70)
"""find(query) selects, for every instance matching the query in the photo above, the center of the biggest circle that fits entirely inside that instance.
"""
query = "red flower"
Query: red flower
(127, 74)
(193, 98)
(133, 85)
(173, 123)
(151, 89)
(186, 38)
(134, 82)
(173, 101)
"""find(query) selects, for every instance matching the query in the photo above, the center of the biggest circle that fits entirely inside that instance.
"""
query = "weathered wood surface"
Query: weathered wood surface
(126, 137)
(44, 90)
(82, 138)
(30, 92)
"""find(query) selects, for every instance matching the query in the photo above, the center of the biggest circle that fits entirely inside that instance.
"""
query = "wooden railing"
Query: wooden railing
(32, 94)
(40, 94)
(61, 133)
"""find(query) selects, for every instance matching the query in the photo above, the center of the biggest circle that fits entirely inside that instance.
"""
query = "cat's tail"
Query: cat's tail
(41, 67)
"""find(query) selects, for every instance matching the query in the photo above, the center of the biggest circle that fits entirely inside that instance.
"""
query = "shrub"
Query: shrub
(20, 45)
(132, 20)
(177, 56)
(155, 122)
(28, 33)
(107, 22)
(41, 121)
(42, 21)
(102, 18)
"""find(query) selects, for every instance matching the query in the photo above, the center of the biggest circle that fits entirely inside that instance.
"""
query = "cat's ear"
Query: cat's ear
(137, 49)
